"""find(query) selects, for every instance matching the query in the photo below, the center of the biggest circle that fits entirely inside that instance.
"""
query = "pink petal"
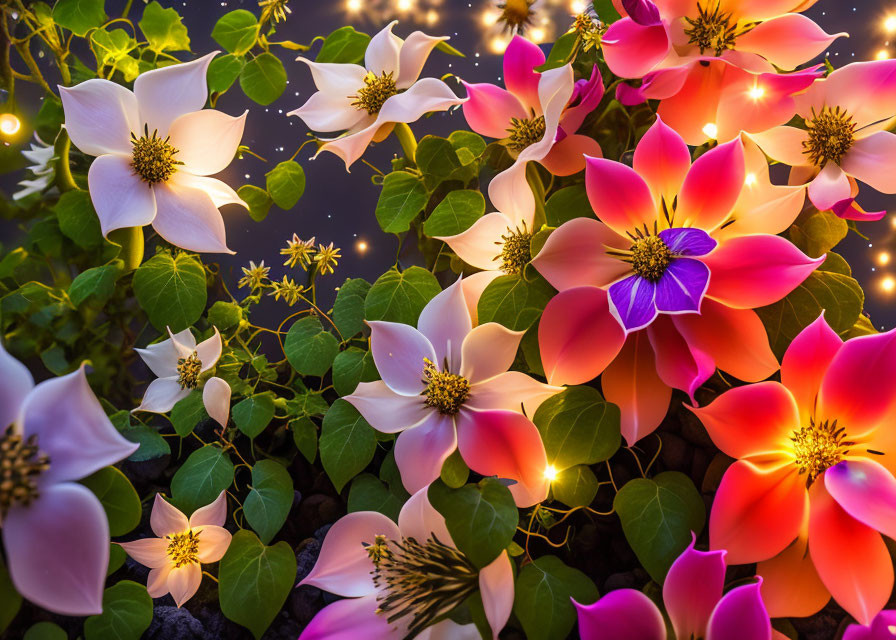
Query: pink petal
(473, 287)
(575, 255)
(505, 444)
(510, 193)
(219, 192)
(632, 383)
(414, 52)
(805, 362)
(587, 95)
(161, 395)
(343, 619)
(865, 490)
(166, 93)
(206, 140)
(618, 195)
(327, 112)
(214, 514)
(100, 116)
(488, 109)
(399, 352)
(57, 550)
(756, 270)
(183, 582)
(632, 50)
(188, 218)
(679, 364)
(421, 450)
(150, 552)
(663, 159)
(511, 390)
(383, 51)
(343, 566)
(577, 336)
(624, 614)
(790, 585)
(868, 158)
(488, 350)
(479, 245)
(567, 156)
(712, 187)
(866, 90)
(213, 543)
(71, 428)
(120, 197)
(418, 519)
(157, 581)
(786, 41)
(385, 410)
(496, 587)
(166, 519)
(445, 322)
(784, 144)
(216, 399)
(830, 187)
(17, 383)
(740, 615)
(520, 59)
(692, 589)
(696, 103)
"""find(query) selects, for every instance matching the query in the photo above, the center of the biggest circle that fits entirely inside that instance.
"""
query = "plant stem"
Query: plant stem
(407, 140)
(64, 180)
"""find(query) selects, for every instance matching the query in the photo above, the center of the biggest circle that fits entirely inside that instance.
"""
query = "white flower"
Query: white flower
(155, 147)
(366, 102)
(179, 364)
(41, 157)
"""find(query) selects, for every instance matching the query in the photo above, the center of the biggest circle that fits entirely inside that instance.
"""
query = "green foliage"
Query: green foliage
(127, 613)
(576, 486)
(304, 434)
(561, 51)
(455, 471)
(45, 631)
(225, 315)
(78, 220)
(10, 600)
(456, 213)
(171, 289)
(79, 16)
(188, 413)
(512, 301)
(223, 72)
(263, 78)
(369, 493)
(567, 204)
(202, 477)
(818, 232)
(118, 497)
(309, 348)
(269, 499)
(254, 413)
(351, 367)
(258, 199)
(578, 426)
(399, 296)
(96, 284)
(347, 443)
(345, 46)
(543, 593)
(403, 197)
(236, 31)
(164, 29)
(286, 183)
(348, 310)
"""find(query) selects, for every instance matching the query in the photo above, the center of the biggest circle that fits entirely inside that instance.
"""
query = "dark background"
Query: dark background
(338, 206)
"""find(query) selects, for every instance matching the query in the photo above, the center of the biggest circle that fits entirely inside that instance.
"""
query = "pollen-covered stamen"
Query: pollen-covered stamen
(189, 369)
(516, 15)
(153, 157)
(183, 548)
(378, 550)
(819, 446)
(712, 29)
(525, 132)
(423, 581)
(376, 90)
(21, 464)
(831, 133)
(516, 250)
(445, 392)
(650, 257)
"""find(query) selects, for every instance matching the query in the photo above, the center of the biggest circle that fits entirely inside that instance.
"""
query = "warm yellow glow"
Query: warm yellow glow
(404, 5)
(551, 473)
(537, 34)
(888, 284)
(361, 246)
(750, 180)
(353, 5)
(489, 18)
(498, 44)
(757, 92)
(883, 54)
(578, 6)
(711, 130)
(890, 23)
(9, 124)
(432, 17)
(883, 258)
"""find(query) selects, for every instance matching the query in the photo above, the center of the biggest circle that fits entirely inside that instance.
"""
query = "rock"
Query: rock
(171, 622)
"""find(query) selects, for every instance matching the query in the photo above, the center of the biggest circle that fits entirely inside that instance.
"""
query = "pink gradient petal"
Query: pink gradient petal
(575, 255)
(511, 390)
(697, 101)
(418, 519)
(473, 287)
(383, 51)
(168, 92)
(692, 589)
(511, 194)
(632, 383)
(587, 95)
(327, 112)
(120, 198)
(520, 59)
(791, 586)
(740, 615)
(678, 364)
(477, 246)
(413, 55)
(805, 362)
(216, 399)
(17, 383)
(343, 566)
(489, 109)
(624, 614)
(865, 490)
(343, 619)
(866, 90)
(57, 550)
(505, 444)
(150, 552)
(188, 218)
(421, 451)
(399, 351)
(830, 187)
(385, 410)
(157, 581)
(786, 41)
(619, 196)
(166, 519)
(757, 513)
(496, 587)
(183, 582)
(100, 116)
(71, 428)
(488, 350)
(663, 159)
(213, 543)
(712, 187)
(632, 50)
(578, 336)
(784, 144)
(567, 156)
(868, 159)
(851, 558)
(206, 140)
(445, 322)
(214, 514)
(756, 270)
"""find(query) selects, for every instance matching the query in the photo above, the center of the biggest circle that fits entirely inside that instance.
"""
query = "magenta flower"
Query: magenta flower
(846, 140)
(883, 627)
(55, 531)
(445, 386)
(660, 292)
(694, 602)
(377, 567)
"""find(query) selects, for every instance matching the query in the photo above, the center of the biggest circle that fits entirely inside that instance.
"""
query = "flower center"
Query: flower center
(516, 250)
(650, 257)
(376, 90)
(424, 581)
(189, 369)
(831, 133)
(445, 392)
(153, 158)
(818, 447)
(183, 548)
(516, 15)
(711, 29)
(21, 463)
(589, 29)
(525, 132)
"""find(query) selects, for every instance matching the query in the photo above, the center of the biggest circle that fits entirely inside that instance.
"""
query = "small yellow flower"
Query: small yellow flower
(275, 10)
(327, 258)
(299, 252)
(288, 290)
(254, 275)
(589, 28)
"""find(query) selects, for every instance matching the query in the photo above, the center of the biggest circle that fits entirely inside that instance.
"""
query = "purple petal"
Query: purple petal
(688, 242)
(58, 550)
(692, 590)
(681, 288)
(740, 615)
(445, 321)
(624, 614)
(17, 382)
(643, 12)
(398, 352)
(632, 302)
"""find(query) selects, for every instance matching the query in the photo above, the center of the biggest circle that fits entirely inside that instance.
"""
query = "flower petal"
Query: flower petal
(213, 543)
(166, 93)
(830, 187)
(632, 50)
(805, 362)
(865, 490)
(216, 399)
(120, 197)
(100, 116)
(692, 589)
(867, 158)
(414, 52)
(477, 246)
(496, 587)
(511, 390)
(520, 59)
(489, 109)
(187, 218)
(866, 90)
(183, 582)
(688, 241)
(214, 514)
(473, 286)
(161, 395)
(740, 615)
(421, 450)
(663, 159)
(161, 357)
(218, 191)
(399, 352)
(343, 619)
(17, 383)
(206, 140)
(712, 186)
(681, 287)
(385, 410)
(166, 519)
(418, 519)
(488, 350)
(633, 302)
(786, 41)
(624, 614)
(567, 156)
(790, 585)
(511, 194)
(445, 322)
(157, 581)
(150, 552)
(335, 80)
(784, 144)
(382, 55)
(696, 103)
(328, 112)
(680, 365)
(619, 196)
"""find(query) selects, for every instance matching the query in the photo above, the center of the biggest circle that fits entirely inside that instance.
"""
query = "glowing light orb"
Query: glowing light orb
(361, 246)
(883, 258)
(888, 284)
(711, 130)
(750, 180)
(353, 5)
(883, 54)
(551, 473)
(890, 24)
(756, 92)
(9, 124)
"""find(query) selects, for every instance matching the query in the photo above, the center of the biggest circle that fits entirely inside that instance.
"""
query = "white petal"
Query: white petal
(120, 197)
(166, 93)
(214, 514)
(420, 452)
(414, 52)
(480, 245)
(166, 519)
(188, 218)
(445, 321)
(399, 351)
(334, 79)
(382, 55)
(473, 287)
(161, 395)
(510, 390)
(216, 398)
(100, 116)
(511, 194)
(207, 140)
(385, 410)
(15, 385)
(330, 112)
(450, 630)
(213, 543)
(150, 552)
(496, 585)
(418, 519)
(218, 191)
(162, 357)
(208, 351)
(488, 350)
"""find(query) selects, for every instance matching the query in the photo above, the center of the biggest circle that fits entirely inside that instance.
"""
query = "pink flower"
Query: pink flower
(539, 114)
(55, 531)
(660, 292)
(176, 556)
(846, 139)
(445, 386)
(813, 471)
(367, 559)
(366, 102)
(692, 594)
(156, 147)
(883, 627)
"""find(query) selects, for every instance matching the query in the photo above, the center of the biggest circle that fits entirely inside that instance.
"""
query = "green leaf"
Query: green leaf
(481, 518)
(402, 198)
(171, 289)
(10, 600)
(152, 444)
(49, 118)
(456, 213)
(658, 516)
(436, 158)
(399, 296)
(263, 78)
(348, 310)
(576, 486)
(164, 29)
(444, 47)
(254, 581)
(818, 233)
(561, 51)
(258, 199)
(347, 443)
(127, 613)
(468, 145)
(544, 591)
(225, 315)
(606, 11)
(118, 497)
(253, 414)
(286, 183)
(223, 72)
(96, 284)
(78, 220)
(201, 479)
(455, 471)
(309, 348)
(513, 302)
(369, 493)
(117, 558)
(345, 45)
(79, 16)
(566, 204)
(236, 31)
(304, 434)
(188, 413)
(45, 631)
(269, 500)
(578, 427)
(350, 367)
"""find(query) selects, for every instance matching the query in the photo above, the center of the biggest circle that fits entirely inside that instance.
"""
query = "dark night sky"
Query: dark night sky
(338, 206)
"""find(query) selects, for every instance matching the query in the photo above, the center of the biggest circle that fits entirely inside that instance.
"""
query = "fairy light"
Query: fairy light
(9, 124)
(489, 18)
(888, 284)
(498, 44)
(404, 5)
(361, 246)
(537, 34)
(432, 17)
(750, 180)
(577, 6)
(883, 54)
(883, 258)
(890, 24)
(353, 5)
(710, 130)
(756, 93)
(551, 473)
